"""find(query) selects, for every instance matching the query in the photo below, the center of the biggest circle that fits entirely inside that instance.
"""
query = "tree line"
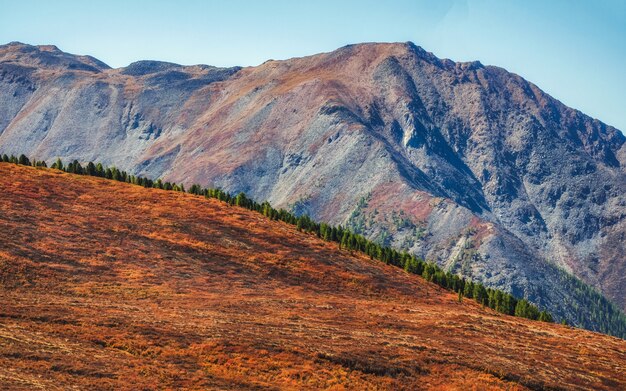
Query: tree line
(493, 298)
(592, 310)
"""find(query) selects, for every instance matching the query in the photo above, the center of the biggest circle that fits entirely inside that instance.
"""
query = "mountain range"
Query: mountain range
(464, 164)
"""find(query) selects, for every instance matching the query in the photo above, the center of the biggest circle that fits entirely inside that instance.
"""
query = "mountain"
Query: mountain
(108, 285)
(467, 165)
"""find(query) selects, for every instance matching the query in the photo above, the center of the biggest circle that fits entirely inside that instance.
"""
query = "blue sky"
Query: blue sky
(574, 50)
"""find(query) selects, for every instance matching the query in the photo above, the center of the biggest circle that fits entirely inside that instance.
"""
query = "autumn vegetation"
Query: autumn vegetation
(606, 316)
(107, 285)
(493, 298)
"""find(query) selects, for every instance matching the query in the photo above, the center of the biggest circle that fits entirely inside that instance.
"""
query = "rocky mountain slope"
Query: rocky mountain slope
(107, 285)
(465, 164)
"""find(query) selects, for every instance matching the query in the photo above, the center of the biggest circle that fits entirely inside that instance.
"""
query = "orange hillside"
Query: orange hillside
(105, 285)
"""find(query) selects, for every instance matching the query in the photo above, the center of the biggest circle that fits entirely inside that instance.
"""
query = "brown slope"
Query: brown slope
(112, 286)
(464, 164)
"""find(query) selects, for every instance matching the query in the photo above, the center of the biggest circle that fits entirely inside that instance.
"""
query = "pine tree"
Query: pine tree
(417, 266)
(58, 164)
(241, 200)
(100, 171)
(469, 289)
(76, 167)
(23, 160)
(480, 294)
(90, 169)
(115, 174)
(544, 316)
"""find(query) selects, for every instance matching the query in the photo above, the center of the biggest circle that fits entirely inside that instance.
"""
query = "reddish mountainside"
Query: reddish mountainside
(468, 165)
(113, 286)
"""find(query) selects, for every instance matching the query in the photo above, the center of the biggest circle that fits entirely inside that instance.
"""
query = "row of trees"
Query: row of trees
(493, 298)
(22, 160)
(590, 309)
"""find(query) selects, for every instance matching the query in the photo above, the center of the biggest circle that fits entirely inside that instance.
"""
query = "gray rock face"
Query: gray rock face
(465, 164)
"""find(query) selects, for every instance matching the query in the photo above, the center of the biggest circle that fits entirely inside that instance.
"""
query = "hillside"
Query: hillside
(113, 286)
(465, 164)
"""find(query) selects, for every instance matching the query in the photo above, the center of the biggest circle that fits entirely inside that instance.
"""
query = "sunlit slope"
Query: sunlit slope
(113, 286)
(468, 165)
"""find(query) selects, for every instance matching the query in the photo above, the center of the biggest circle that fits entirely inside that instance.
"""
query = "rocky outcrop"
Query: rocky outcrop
(466, 164)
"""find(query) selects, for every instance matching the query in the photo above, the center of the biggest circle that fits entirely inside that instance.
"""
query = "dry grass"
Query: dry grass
(111, 286)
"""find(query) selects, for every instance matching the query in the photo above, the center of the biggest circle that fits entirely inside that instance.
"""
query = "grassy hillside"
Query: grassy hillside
(109, 285)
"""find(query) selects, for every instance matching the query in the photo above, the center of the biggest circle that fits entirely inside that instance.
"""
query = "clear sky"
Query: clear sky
(573, 49)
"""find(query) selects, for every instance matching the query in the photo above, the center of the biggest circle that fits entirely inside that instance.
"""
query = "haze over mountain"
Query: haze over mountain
(465, 164)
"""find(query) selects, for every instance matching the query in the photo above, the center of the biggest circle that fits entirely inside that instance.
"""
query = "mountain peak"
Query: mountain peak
(48, 56)
(395, 49)
(48, 48)
(145, 67)
(14, 43)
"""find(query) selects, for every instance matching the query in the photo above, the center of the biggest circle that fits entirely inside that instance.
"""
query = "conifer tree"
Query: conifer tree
(544, 316)
(115, 174)
(480, 294)
(59, 164)
(76, 167)
(23, 160)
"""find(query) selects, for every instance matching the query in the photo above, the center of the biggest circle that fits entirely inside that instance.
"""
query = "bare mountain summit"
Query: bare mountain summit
(465, 164)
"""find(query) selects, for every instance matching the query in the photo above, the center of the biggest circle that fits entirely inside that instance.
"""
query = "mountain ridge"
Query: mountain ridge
(465, 164)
